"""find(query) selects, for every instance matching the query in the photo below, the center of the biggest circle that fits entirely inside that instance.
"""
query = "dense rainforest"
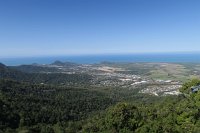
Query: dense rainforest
(32, 107)
(23, 105)
(180, 114)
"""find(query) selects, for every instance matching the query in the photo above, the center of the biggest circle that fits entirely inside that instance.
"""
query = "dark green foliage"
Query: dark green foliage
(26, 105)
(34, 69)
(43, 108)
(46, 78)
(186, 86)
(8, 118)
(123, 116)
(172, 115)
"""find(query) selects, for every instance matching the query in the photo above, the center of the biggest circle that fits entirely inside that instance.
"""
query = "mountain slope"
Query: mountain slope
(65, 64)
(47, 78)
(34, 69)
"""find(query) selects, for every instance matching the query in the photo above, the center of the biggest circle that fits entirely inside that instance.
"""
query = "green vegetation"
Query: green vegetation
(162, 71)
(26, 107)
(171, 115)
(34, 69)
(30, 107)
(44, 78)
(67, 103)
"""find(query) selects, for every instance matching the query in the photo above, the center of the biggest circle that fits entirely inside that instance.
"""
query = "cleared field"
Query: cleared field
(161, 71)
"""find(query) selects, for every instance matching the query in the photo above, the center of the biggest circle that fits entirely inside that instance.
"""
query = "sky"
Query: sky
(76, 27)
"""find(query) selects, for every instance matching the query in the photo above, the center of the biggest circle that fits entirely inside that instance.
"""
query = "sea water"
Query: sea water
(90, 59)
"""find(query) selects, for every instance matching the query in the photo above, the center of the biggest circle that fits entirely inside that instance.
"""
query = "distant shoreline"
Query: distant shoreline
(90, 59)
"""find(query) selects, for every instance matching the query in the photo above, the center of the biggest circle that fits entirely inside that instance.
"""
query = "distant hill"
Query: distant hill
(37, 68)
(47, 78)
(2, 67)
(34, 68)
(66, 64)
(9, 73)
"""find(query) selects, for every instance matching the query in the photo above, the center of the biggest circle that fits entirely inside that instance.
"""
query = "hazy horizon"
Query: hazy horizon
(101, 54)
(181, 57)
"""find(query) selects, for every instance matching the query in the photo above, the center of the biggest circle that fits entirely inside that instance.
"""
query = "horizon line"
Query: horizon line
(99, 54)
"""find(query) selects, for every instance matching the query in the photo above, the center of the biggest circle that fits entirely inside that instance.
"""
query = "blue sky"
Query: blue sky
(71, 27)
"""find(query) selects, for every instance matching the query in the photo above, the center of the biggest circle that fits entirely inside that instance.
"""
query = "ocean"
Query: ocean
(90, 59)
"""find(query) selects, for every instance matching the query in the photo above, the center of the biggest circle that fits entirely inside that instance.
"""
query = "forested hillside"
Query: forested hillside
(44, 78)
(179, 114)
(38, 68)
(69, 103)
(44, 108)
(34, 107)
(33, 69)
